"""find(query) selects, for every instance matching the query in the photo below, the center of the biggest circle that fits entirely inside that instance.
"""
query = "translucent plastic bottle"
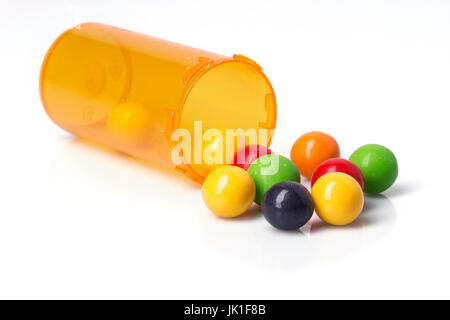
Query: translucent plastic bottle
(95, 77)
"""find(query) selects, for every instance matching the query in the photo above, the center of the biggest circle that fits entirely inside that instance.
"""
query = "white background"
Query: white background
(79, 221)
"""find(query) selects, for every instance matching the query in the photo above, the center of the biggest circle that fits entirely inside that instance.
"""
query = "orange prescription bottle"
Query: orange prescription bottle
(131, 92)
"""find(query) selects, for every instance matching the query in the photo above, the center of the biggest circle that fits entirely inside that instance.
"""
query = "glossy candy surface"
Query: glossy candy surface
(378, 166)
(228, 191)
(269, 170)
(338, 165)
(287, 205)
(338, 198)
(245, 157)
(311, 149)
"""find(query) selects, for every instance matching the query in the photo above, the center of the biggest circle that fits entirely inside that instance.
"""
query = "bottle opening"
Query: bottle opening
(231, 95)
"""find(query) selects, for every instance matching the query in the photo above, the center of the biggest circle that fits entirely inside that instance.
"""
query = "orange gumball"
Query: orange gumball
(311, 149)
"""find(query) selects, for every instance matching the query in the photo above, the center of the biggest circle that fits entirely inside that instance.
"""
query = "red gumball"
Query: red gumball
(338, 165)
(244, 157)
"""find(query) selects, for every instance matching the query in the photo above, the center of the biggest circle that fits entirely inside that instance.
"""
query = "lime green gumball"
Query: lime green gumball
(378, 166)
(269, 170)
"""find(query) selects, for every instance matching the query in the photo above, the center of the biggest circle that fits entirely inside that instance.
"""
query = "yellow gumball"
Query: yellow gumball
(130, 124)
(338, 198)
(228, 191)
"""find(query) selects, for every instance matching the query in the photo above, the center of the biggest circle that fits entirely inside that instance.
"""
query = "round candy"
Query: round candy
(378, 166)
(130, 123)
(228, 191)
(269, 170)
(245, 157)
(338, 165)
(338, 198)
(311, 149)
(287, 205)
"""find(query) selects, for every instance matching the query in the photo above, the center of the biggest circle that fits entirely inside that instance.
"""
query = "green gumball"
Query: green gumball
(378, 166)
(269, 170)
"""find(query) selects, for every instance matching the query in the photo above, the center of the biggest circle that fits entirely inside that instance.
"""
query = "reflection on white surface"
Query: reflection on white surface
(251, 239)
(97, 174)
(83, 159)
